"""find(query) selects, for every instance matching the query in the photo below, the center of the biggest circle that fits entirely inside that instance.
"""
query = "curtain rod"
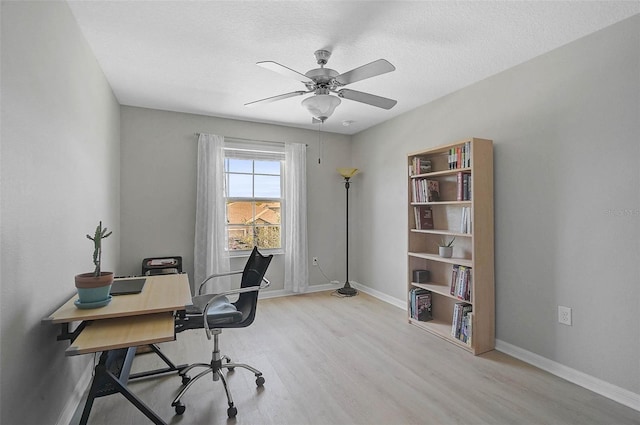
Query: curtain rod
(240, 139)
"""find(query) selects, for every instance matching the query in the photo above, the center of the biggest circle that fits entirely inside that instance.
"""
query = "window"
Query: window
(253, 195)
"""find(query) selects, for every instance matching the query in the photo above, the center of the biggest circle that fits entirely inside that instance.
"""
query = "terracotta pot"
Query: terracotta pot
(87, 280)
(93, 289)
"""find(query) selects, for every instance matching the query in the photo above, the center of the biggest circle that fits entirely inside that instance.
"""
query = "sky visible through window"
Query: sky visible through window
(252, 178)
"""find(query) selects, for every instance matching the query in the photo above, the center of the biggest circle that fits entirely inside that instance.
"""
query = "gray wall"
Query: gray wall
(565, 127)
(60, 176)
(158, 200)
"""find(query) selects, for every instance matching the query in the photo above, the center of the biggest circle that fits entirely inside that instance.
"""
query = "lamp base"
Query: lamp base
(347, 290)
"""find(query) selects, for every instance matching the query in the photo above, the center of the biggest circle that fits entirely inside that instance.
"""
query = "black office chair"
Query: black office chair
(220, 314)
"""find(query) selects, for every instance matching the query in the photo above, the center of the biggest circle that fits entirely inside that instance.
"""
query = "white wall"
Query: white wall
(60, 176)
(565, 127)
(158, 197)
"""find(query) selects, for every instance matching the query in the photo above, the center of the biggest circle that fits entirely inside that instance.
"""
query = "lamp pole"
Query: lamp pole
(347, 290)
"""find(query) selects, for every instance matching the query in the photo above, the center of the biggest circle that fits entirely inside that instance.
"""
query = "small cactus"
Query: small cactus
(97, 244)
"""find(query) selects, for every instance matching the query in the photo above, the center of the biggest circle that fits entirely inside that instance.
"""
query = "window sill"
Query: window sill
(245, 254)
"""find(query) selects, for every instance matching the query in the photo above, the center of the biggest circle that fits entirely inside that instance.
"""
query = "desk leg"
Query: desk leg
(105, 382)
(170, 366)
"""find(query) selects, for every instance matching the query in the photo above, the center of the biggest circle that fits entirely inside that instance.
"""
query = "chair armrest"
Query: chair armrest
(215, 275)
(265, 283)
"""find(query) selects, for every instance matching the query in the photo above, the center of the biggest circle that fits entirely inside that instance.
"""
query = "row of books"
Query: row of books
(420, 304)
(462, 323)
(461, 282)
(460, 157)
(424, 190)
(419, 166)
(464, 186)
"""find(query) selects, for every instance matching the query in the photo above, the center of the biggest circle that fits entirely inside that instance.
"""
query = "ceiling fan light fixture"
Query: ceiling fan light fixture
(321, 106)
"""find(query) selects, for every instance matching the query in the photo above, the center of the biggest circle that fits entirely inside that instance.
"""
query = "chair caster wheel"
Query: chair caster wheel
(232, 412)
(180, 408)
(186, 379)
(259, 381)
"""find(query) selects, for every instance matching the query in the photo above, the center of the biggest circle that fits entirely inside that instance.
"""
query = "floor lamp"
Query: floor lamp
(347, 173)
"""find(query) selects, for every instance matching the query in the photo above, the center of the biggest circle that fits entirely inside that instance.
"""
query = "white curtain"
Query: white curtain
(296, 274)
(209, 253)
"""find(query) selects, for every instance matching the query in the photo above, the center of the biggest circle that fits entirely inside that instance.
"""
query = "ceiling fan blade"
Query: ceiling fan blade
(369, 70)
(283, 70)
(358, 96)
(276, 98)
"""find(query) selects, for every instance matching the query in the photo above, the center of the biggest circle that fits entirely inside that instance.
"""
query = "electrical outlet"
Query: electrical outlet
(564, 315)
(315, 261)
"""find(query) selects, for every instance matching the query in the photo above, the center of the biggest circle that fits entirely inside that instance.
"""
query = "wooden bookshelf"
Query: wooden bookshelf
(473, 246)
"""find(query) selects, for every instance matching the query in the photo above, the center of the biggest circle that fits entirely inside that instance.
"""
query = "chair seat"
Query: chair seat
(220, 312)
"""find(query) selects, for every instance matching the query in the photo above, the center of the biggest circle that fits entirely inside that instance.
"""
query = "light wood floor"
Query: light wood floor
(330, 360)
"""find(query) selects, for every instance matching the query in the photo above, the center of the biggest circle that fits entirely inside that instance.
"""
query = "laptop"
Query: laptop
(127, 286)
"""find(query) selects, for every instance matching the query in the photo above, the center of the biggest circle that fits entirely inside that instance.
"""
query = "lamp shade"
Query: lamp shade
(347, 173)
(321, 106)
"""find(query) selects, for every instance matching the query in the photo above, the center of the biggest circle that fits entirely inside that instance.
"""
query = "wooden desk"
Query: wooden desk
(160, 293)
(118, 328)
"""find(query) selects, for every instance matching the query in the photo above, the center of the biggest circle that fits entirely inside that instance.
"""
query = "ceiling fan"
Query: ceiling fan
(323, 81)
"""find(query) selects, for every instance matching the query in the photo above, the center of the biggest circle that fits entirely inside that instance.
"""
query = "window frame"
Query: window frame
(254, 154)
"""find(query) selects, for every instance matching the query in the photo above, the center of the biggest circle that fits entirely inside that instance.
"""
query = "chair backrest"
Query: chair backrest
(252, 275)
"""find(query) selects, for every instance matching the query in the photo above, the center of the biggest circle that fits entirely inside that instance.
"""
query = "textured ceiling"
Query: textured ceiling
(199, 56)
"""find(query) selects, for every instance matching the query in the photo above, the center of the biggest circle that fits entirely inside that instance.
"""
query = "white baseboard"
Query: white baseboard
(311, 288)
(598, 386)
(402, 304)
(76, 397)
(589, 382)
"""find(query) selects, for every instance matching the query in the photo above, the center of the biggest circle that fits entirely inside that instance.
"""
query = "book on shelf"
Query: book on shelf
(460, 286)
(465, 220)
(423, 306)
(424, 217)
(464, 186)
(460, 310)
(454, 278)
(466, 329)
(433, 191)
(420, 304)
(419, 165)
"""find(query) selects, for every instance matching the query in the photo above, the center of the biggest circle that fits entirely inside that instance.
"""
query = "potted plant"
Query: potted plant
(445, 249)
(93, 287)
